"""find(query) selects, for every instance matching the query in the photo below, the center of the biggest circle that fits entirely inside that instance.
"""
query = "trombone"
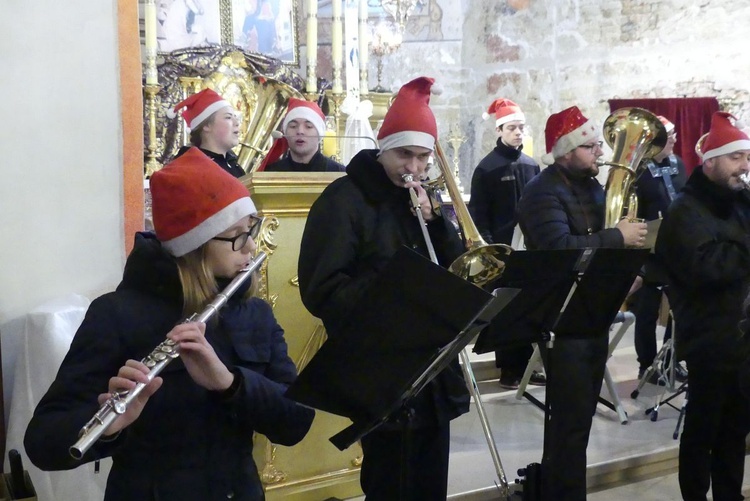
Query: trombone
(480, 265)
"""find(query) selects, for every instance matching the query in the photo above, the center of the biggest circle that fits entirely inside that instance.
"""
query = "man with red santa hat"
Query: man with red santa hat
(564, 208)
(356, 225)
(704, 243)
(496, 187)
(299, 149)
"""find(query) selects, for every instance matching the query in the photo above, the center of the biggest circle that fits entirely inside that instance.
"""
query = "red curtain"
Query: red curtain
(691, 117)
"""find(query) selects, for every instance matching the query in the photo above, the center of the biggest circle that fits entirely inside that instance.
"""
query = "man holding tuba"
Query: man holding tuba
(704, 243)
(564, 208)
(356, 225)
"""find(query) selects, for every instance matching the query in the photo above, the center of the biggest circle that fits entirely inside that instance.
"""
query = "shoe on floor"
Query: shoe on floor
(680, 373)
(653, 378)
(510, 382)
(537, 379)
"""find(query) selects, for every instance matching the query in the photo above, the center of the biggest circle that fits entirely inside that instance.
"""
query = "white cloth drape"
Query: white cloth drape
(45, 339)
(358, 131)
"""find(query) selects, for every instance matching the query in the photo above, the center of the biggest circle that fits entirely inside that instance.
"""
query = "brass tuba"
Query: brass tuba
(634, 134)
(269, 105)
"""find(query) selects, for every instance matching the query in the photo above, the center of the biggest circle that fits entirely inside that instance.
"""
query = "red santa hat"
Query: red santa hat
(305, 110)
(724, 137)
(198, 107)
(278, 149)
(410, 121)
(193, 200)
(566, 131)
(666, 123)
(505, 111)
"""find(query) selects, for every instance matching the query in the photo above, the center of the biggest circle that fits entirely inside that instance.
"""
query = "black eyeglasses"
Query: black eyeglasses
(240, 240)
(592, 146)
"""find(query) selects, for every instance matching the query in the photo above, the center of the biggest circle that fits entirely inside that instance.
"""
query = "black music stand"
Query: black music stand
(588, 287)
(410, 325)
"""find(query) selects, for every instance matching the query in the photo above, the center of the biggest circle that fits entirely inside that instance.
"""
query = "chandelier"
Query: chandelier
(385, 40)
(400, 10)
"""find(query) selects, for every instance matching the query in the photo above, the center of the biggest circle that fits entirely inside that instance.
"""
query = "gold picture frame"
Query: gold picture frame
(267, 27)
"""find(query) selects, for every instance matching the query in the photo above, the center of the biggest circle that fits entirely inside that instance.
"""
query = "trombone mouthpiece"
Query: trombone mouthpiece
(407, 178)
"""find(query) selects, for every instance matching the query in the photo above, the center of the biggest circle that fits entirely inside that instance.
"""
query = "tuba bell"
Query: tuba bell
(271, 99)
(634, 134)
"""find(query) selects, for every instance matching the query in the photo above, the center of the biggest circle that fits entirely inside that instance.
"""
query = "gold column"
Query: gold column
(152, 165)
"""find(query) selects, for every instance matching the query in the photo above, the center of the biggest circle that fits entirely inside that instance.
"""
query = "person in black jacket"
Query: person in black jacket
(188, 435)
(658, 184)
(704, 242)
(563, 208)
(496, 187)
(356, 225)
(299, 149)
(214, 128)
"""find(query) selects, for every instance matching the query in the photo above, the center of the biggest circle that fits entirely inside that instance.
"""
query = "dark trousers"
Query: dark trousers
(425, 463)
(646, 310)
(514, 359)
(712, 446)
(575, 368)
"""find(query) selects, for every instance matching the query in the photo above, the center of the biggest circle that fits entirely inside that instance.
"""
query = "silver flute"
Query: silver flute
(156, 361)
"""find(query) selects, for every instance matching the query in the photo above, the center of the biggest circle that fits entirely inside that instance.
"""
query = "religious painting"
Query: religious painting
(267, 27)
(182, 24)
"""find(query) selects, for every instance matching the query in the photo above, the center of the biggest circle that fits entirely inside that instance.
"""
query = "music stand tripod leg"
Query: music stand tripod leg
(676, 433)
(616, 403)
(653, 368)
(477, 396)
(534, 360)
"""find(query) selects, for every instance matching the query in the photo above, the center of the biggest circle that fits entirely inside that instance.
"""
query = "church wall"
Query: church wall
(548, 55)
(61, 199)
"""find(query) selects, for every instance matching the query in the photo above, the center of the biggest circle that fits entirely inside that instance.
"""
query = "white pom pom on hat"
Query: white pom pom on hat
(505, 111)
(197, 108)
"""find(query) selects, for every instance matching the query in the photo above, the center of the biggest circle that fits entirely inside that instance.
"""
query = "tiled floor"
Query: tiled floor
(637, 460)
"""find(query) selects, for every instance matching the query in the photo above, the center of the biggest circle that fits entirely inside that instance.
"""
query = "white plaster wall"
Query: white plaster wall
(61, 200)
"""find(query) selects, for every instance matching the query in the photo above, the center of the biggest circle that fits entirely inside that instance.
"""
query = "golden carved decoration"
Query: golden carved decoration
(294, 281)
(314, 342)
(235, 74)
(266, 243)
(271, 474)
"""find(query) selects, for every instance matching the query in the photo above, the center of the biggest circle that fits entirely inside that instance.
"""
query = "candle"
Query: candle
(337, 47)
(363, 50)
(149, 18)
(312, 45)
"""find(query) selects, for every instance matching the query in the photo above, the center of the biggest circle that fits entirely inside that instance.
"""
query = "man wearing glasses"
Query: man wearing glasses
(563, 208)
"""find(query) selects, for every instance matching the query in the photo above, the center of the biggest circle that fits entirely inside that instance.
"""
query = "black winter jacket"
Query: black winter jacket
(227, 162)
(318, 163)
(496, 187)
(189, 443)
(356, 225)
(560, 211)
(704, 242)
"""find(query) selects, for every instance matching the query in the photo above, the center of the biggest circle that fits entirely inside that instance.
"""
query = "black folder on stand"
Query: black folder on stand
(546, 303)
(409, 325)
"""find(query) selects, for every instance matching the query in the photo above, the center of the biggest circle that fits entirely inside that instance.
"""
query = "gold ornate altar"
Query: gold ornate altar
(313, 469)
